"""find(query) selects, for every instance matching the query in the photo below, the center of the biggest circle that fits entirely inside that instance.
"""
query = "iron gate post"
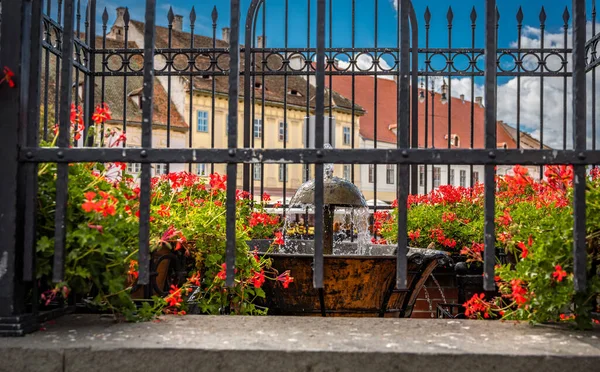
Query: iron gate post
(18, 53)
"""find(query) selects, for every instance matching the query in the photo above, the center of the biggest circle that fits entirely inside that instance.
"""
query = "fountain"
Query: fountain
(359, 277)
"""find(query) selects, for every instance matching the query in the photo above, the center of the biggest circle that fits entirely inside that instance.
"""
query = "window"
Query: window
(451, 176)
(258, 128)
(201, 169)
(294, 92)
(463, 178)
(346, 134)
(347, 172)
(306, 173)
(437, 177)
(203, 121)
(160, 169)
(456, 141)
(256, 172)
(283, 175)
(134, 168)
(283, 132)
(421, 175)
(371, 173)
(389, 174)
(475, 178)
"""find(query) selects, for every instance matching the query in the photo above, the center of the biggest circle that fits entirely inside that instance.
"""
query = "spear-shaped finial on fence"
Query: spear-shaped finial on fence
(497, 17)
(215, 16)
(543, 17)
(520, 17)
(566, 16)
(473, 16)
(126, 17)
(450, 16)
(104, 17)
(193, 17)
(427, 17)
(170, 16)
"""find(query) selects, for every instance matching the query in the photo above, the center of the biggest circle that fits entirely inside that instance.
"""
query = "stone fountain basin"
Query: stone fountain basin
(354, 285)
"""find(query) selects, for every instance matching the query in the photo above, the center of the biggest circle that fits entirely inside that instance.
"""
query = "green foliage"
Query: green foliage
(186, 216)
(534, 229)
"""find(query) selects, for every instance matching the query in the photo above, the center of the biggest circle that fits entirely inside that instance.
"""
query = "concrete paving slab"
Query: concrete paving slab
(208, 343)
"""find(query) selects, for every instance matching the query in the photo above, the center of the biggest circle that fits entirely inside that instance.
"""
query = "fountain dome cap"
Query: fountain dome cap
(337, 192)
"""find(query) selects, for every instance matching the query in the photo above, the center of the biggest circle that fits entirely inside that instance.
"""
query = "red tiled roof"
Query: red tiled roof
(364, 93)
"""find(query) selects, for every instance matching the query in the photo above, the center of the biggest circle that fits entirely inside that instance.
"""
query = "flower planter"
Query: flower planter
(356, 286)
(166, 268)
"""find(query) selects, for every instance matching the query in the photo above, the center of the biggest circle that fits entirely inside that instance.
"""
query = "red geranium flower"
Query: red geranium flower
(285, 279)
(278, 238)
(559, 274)
(258, 279)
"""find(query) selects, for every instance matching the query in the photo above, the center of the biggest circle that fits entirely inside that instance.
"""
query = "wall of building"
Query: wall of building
(273, 115)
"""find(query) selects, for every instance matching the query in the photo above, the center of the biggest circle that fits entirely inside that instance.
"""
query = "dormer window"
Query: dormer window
(205, 77)
(258, 85)
(454, 140)
(503, 145)
(136, 97)
(294, 92)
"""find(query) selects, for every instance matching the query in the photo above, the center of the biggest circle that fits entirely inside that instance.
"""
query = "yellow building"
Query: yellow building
(209, 128)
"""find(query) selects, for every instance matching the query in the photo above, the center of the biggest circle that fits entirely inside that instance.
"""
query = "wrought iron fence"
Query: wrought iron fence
(135, 64)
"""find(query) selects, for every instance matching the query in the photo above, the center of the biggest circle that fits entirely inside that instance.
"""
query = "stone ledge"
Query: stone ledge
(206, 343)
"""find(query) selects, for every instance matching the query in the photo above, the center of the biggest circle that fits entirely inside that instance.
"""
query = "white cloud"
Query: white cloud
(364, 62)
(530, 93)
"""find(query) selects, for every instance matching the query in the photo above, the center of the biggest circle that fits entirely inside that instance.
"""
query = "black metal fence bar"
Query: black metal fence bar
(234, 83)
(319, 143)
(62, 177)
(490, 143)
(312, 156)
(147, 112)
(403, 115)
(32, 139)
(579, 141)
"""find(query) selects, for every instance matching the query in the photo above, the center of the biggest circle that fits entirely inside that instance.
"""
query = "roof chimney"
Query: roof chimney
(479, 101)
(226, 34)
(262, 42)
(178, 23)
(462, 98)
(120, 13)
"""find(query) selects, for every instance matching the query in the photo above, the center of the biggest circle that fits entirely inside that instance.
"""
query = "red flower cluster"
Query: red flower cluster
(505, 219)
(473, 252)
(264, 219)
(448, 217)
(559, 274)
(223, 273)
(173, 234)
(77, 122)
(106, 205)
(133, 270)
(174, 298)
(414, 235)
(218, 182)
(518, 292)
(258, 279)
(102, 114)
(477, 305)
(7, 78)
(285, 279)
(266, 197)
(438, 234)
(278, 238)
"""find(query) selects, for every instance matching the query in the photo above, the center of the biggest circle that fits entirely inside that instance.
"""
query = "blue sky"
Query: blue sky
(387, 18)
(365, 11)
